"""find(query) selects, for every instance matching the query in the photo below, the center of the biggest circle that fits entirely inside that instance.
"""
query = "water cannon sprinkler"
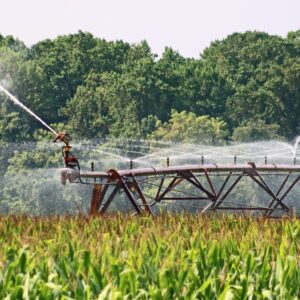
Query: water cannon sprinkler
(72, 171)
(70, 160)
(64, 137)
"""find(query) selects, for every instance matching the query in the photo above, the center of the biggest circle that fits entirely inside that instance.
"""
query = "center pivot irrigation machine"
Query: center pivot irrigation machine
(198, 187)
(202, 187)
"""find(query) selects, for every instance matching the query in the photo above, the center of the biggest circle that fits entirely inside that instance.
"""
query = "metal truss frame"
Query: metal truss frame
(207, 186)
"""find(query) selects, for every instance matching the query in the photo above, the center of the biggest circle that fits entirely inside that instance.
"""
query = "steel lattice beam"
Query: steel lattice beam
(210, 186)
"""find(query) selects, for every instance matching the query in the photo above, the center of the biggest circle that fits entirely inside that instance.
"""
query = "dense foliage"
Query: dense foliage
(99, 88)
(243, 88)
(169, 257)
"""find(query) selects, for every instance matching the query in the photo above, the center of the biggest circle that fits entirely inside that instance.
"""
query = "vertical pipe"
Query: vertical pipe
(168, 161)
(93, 168)
(266, 160)
(131, 164)
(202, 159)
(96, 198)
(234, 159)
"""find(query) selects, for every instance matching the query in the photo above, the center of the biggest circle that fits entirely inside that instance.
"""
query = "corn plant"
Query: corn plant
(166, 257)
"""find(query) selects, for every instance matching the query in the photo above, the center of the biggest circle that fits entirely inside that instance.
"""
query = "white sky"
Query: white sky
(187, 26)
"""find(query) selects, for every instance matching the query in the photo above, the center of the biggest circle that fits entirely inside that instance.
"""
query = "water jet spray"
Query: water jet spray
(203, 182)
(19, 103)
(70, 160)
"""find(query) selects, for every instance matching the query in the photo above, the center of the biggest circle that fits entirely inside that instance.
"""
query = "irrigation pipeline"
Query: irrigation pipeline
(204, 188)
(208, 185)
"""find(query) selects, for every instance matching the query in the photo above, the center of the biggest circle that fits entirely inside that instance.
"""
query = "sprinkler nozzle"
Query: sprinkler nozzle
(64, 137)
(70, 160)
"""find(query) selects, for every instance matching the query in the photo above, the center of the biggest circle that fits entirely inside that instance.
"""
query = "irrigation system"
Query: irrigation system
(207, 188)
(201, 187)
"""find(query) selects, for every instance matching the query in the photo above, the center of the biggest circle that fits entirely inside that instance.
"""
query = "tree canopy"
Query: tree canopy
(243, 88)
(99, 88)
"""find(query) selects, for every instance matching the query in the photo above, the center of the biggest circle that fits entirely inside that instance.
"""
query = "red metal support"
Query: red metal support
(175, 181)
(278, 192)
(284, 195)
(266, 188)
(141, 195)
(97, 189)
(159, 189)
(120, 180)
(197, 183)
(109, 200)
(187, 176)
(210, 184)
(223, 185)
(218, 203)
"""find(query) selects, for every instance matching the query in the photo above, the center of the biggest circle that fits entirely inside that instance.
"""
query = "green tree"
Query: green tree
(11, 43)
(187, 127)
(171, 72)
(256, 131)
(114, 103)
(87, 111)
(101, 88)
(13, 127)
(241, 66)
(285, 87)
(64, 64)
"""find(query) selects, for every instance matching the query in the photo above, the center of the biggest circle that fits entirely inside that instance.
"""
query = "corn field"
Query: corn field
(166, 257)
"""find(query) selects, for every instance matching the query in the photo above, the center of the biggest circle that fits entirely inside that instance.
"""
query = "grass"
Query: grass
(166, 257)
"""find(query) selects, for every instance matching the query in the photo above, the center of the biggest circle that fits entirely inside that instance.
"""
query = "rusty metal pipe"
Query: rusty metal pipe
(196, 168)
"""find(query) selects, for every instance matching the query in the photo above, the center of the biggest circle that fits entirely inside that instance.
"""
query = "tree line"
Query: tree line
(244, 87)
